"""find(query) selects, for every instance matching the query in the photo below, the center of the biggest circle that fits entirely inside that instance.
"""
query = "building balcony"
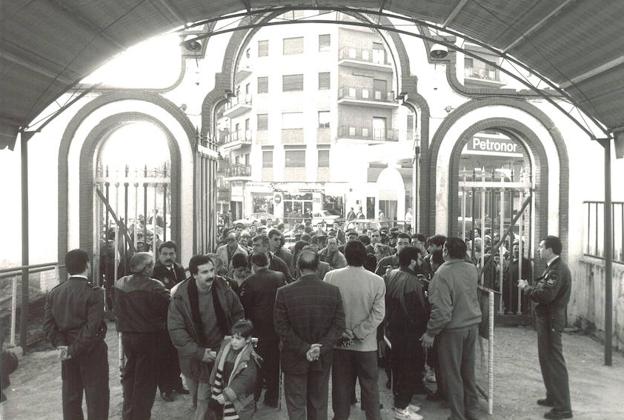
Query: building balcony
(363, 58)
(235, 140)
(237, 106)
(238, 171)
(366, 97)
(369, 134)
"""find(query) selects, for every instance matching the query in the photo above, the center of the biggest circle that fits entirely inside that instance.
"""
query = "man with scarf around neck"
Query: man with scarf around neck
(407, 313)
(202, 311)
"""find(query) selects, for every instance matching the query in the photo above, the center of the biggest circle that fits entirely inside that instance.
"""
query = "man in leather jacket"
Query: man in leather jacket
(74, 324)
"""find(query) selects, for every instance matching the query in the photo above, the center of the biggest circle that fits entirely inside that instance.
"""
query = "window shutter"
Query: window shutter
(293, 46)
(263, 84)
(267, 158)
(324, 42)
(295, 158)
(324, 80)
(323, 158)
(263, 122)
(263, 48)
(292, 82)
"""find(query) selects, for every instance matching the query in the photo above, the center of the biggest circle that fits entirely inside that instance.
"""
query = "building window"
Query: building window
(477, 69)
(379, 128)
(267, 158)
(379, 53)
(323, 158)
(263, 122)
(293, 46)
(295, 158)
(263, 48)
(323, 119)
(324, 42)
(263, 84)
(292, 120)
(292, 82)
(247, 88)
(324, 80)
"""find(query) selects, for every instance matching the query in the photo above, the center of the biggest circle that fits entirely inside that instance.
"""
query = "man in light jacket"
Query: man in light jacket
(363, 294)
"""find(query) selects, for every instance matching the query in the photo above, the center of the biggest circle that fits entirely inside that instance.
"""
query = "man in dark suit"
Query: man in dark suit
(309, 319)
(170, 273)
(511, 277)
(74, 324)
(261, 245)
(257, 294)
(552, 293)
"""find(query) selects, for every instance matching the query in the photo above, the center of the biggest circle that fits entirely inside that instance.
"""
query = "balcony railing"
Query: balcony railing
(365, 94)
(237, 136)
(368, 133)
(238, 105)
(237, 170)
(364, 55)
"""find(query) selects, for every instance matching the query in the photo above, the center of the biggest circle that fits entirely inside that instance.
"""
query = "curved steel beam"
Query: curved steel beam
(449, 45)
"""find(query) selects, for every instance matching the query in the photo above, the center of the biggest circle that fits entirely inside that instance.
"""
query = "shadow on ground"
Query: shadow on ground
(596, 390)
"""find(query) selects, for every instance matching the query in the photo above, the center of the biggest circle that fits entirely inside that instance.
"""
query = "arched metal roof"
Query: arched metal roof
(47, 46)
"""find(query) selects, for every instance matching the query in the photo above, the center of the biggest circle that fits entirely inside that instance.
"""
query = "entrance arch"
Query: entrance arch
(532, 126)
(86, 131)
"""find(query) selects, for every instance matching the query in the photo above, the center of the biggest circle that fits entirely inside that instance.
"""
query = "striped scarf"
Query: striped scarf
(229, 412)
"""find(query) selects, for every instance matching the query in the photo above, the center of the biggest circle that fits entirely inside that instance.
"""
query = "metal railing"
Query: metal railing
(238, 170)
(40, 278)
(243, 136)
(366, 94)
(366, 55)
(238, 100)
(368, 133)
(594, 238)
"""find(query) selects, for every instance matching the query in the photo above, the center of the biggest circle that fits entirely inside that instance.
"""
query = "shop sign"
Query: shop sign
(493, 146)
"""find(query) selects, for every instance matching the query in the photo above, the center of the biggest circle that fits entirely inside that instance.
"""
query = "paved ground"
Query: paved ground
(597, 391)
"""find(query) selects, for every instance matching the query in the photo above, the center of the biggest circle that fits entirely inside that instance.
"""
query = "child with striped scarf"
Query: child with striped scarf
(233, 378)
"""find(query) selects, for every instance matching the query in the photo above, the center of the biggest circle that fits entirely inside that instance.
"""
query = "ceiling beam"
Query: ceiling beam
(538, 25)
(172, 11)
(86, 23)
(596, 71)
(454, 13)
(247, 4)
(382, 6)
(29, 65)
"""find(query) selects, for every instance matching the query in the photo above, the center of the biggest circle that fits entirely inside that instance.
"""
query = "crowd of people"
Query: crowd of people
(333, 305)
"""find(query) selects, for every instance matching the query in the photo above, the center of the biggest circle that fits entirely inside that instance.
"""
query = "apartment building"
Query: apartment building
(314, 124)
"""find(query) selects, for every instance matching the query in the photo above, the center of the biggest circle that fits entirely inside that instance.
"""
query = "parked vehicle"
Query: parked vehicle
(325, 217)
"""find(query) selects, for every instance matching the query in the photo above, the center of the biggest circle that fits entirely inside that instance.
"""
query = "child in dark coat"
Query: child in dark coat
(234, 376)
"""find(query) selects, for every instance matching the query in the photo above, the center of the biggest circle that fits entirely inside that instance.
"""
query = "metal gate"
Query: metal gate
(492, 210)
(132, 213)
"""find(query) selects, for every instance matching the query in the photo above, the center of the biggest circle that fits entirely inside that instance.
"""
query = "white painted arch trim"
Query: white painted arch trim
(186, 167)
(487, 112)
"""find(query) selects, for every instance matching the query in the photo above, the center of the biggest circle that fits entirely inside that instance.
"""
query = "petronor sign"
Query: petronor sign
(489, 145)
